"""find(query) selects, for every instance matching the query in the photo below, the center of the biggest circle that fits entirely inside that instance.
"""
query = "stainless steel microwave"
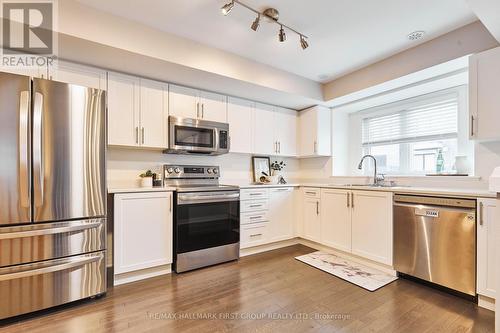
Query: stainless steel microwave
(194, 136)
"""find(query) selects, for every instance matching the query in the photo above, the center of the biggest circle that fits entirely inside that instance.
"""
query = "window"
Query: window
(415, 137)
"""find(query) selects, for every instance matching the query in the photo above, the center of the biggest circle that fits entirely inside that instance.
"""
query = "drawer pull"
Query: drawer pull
(254, 206)
(313, 193)
(255, 217)
(256, 193)
(255, 235)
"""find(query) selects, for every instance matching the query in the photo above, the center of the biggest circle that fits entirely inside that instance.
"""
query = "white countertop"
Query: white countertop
(473, 193)
(139, 189)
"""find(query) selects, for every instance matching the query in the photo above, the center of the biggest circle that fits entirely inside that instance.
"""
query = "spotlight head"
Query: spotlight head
(226, 9)
(256, 23)
(282, 35)
(303, 42)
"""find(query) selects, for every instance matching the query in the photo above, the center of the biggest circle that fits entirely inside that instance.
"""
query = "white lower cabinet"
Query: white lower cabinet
(487, 215)
(142, 231)
(267, 215)
(372, 225)
(336, 219)
(357, 222)
(311, 222)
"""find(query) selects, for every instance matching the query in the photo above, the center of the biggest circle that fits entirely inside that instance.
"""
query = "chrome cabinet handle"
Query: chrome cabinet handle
(313, 193)
(279, 147)
(255, 235)
(254, 206)
(317, 207)
(255, 217)
(24, 191)
(142, 135)
(472, 125)
(137, 135)
(38, 169)
(197, 110)
(202, 110)
(170, 203)
(348, 195)
(481, 220)
(255, 193)
(315, 147)
(352, 200)
(44, 270)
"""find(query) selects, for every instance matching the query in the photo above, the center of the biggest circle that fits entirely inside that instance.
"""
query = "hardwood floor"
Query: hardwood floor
(258, 287)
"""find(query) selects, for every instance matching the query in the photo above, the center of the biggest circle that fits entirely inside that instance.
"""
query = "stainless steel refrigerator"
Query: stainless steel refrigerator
(52, 194)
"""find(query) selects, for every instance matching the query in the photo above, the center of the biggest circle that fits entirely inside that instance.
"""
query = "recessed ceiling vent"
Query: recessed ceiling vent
(416, 35)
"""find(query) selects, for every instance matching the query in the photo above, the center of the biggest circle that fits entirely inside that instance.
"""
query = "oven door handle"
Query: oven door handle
(184, 199)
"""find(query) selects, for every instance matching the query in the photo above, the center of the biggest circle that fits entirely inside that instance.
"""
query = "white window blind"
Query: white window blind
(430, 121)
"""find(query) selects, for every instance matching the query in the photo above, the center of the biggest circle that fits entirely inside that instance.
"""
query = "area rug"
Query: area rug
(348, 270)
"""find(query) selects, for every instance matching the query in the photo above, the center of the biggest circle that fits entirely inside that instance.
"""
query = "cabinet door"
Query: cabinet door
(154, 114)
(213, 107)
(264, 127)
(78, 74)
(336, 219)
(123, 110)
(143, 230)
(307, 132)
(281, 214)
(183, 102)
(487, 216)
(286, 131)
(484, 99)
(311, 218)
(372, 225)
(240, 119)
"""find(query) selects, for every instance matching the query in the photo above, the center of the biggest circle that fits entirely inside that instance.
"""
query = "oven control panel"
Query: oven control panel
(190, 171)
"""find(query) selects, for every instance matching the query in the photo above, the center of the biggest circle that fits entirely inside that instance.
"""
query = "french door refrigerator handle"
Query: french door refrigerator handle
(24, 189)
(38, 170)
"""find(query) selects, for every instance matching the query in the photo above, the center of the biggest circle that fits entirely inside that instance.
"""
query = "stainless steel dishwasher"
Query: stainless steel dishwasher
(435, 240)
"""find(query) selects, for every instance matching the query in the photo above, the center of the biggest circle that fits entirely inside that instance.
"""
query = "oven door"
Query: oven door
(206, 219)
(192, 135)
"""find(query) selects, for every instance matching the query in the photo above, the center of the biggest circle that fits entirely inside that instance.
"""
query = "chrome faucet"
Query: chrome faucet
(376, 177)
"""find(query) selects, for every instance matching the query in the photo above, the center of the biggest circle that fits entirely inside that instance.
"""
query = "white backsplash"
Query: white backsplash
(125, 165)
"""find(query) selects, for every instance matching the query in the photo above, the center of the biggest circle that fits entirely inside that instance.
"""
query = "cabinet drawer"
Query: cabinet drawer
(254, 234)
(250, 194)
(254, 205)
(311, 192)
(254, 217)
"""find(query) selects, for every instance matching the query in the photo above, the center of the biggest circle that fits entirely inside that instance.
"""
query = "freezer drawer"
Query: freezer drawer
(37, 286)
(45, 241)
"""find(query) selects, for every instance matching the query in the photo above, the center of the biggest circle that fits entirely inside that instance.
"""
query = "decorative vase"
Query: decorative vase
(147, 182)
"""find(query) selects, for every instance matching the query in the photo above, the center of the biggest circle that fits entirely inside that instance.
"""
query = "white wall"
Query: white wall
(125, 165)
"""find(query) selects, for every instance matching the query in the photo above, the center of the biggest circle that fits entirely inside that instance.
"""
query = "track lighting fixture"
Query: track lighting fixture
(226, 9)
(282, 35)
(256, 23)
(303, 42)
(273, 15)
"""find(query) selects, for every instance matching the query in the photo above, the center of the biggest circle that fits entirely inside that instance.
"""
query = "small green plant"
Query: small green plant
(148, 173)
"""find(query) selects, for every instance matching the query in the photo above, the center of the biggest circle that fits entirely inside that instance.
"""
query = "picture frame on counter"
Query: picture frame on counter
(261, 166)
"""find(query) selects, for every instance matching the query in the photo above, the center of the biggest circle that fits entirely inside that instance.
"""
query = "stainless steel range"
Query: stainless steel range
(206, 217)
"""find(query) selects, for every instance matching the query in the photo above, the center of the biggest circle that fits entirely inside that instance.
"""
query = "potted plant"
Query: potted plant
(276, 168)
(147, 179)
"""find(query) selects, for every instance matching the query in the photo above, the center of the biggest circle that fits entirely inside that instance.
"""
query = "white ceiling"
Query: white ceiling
(345, 35)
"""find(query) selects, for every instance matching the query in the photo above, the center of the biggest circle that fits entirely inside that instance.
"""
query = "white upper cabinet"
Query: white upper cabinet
(123, 110)
(213, 107)
(154, 114)
(78, 74)
(484, 97)
(264, 127)
(137, 112)
(183, 102)
(285, 121)
(315, 132)
(35, 71)
(336, 219)
(372, 225)
(240, 118)
(192, 103)
(487, 215)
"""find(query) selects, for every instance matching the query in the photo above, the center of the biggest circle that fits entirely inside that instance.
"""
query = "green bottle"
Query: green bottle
(440, 162)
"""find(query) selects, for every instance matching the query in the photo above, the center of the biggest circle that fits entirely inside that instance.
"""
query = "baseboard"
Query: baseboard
(268, 247)
(141, 274)
(486, 302)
